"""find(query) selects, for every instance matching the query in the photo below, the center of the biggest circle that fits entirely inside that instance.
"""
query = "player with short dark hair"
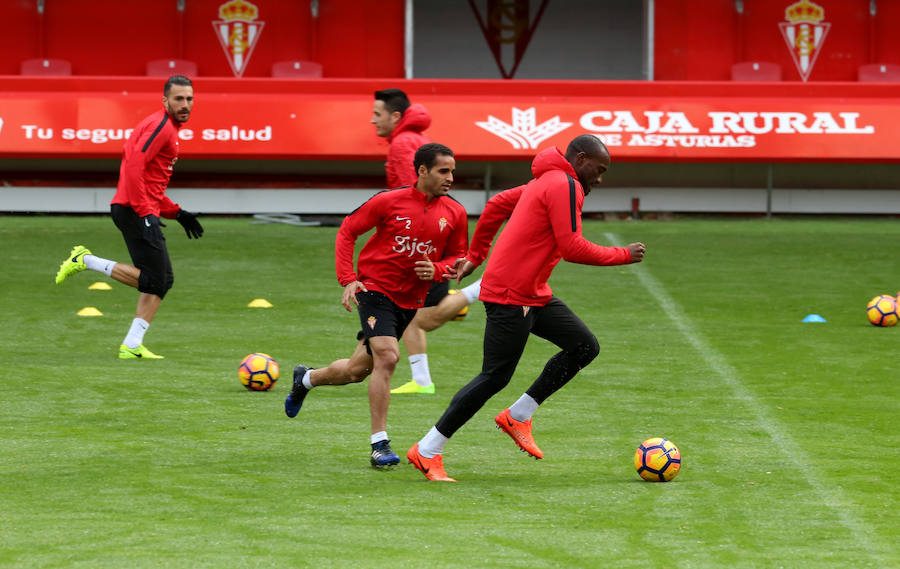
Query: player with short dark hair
(544, 227)
(403, 125)
(420, 234)
(140, 200)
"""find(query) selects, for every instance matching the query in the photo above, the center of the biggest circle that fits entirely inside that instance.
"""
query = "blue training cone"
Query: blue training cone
(814, 318)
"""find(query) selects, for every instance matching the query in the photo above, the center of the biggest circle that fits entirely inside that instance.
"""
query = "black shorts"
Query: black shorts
(436, 293)
(379, 316)
(151, 258)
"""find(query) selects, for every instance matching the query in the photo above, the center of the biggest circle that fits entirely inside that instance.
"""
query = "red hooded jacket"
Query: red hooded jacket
(147, 160)
(544, 226)
(407, 137)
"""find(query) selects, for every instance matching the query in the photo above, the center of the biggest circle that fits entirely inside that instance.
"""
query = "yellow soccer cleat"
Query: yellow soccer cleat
(74, 263)
(413, 387)
(141, 353)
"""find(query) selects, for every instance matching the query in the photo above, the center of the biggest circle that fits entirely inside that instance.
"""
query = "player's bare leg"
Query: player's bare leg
(354, 369)
(147, 306)
(385, 355)
(339, 372)
(126, 274)
(436, 316)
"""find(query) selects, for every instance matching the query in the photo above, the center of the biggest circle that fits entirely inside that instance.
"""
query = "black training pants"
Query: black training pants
(505, 334)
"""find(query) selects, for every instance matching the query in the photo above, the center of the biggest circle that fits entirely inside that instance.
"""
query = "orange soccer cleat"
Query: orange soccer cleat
(520, 431)
(432, 468)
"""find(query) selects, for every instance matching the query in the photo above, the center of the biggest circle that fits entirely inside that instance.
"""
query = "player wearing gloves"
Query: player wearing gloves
(139, 202)
(420, 233)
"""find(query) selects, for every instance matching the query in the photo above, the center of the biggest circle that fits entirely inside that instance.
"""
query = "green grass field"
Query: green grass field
(789, 431)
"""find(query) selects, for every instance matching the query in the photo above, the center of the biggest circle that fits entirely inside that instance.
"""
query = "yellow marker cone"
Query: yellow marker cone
(260, 303)
(99, 285)
(89, 311)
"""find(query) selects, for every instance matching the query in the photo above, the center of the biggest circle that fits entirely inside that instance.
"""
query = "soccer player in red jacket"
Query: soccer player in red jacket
(544, 227)
(140, 200)
(403, 125)
(420, 235)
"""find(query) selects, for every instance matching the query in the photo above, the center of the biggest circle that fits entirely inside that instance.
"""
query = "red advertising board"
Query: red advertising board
(479, 120)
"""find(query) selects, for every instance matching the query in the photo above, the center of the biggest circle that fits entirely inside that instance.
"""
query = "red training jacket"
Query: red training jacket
(407, 137)
(544, 226)
(406, 229)
(147, 160)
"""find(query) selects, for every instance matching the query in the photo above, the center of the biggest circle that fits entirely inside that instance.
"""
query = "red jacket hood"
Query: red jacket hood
(551, 159)
(415, 119)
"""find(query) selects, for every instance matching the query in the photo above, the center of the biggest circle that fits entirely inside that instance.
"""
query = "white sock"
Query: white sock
(420, 372)
(95, 263)
(524, 408)
(136, 333)
(307, 380)
(432, 443)
(379, 436)
(472, 291)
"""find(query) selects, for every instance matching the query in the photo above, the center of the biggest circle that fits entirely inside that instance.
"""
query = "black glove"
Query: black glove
(189, 221)
(150, 227)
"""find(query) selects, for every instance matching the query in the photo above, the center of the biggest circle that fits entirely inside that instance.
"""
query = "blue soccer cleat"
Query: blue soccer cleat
(383, 456)
(294, 400)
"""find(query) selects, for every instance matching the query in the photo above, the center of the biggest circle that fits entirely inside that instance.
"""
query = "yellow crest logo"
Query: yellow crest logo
(371, 322)
(443, 223)
(804, 33)
(238, 31)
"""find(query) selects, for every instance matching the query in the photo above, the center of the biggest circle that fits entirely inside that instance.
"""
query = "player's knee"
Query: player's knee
(587, 350)
(386, 357)
(358, 373)
(154, 284)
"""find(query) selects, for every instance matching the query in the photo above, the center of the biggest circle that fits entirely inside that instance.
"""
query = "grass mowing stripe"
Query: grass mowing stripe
(833, 499)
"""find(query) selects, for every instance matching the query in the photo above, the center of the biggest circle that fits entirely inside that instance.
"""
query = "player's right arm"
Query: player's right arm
(496, 212)
(132, 175)
(153, 136)
(564, 205)
(364, 218)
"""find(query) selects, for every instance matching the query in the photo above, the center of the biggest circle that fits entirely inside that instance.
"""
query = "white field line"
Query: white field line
(828, 495)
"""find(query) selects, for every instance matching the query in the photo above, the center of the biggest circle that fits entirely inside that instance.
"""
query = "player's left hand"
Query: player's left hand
(425, 269)
(637, 252)
(464, 268)
(189, 221)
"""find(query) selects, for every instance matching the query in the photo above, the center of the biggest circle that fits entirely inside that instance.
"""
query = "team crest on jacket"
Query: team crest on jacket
(443, 223)
(371, 322)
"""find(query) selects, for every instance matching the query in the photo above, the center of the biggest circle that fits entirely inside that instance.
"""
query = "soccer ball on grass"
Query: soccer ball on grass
(882, 310)
(258, 372)
(657, 460)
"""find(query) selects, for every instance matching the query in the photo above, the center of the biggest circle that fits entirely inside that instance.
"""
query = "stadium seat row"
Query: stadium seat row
(168, 67)
(767, 71)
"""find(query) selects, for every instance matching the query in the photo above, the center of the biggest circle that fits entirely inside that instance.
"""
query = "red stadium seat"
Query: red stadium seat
(755, 71)
(43, 66)
(169, 67)
(296, 68)
(883, 72)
